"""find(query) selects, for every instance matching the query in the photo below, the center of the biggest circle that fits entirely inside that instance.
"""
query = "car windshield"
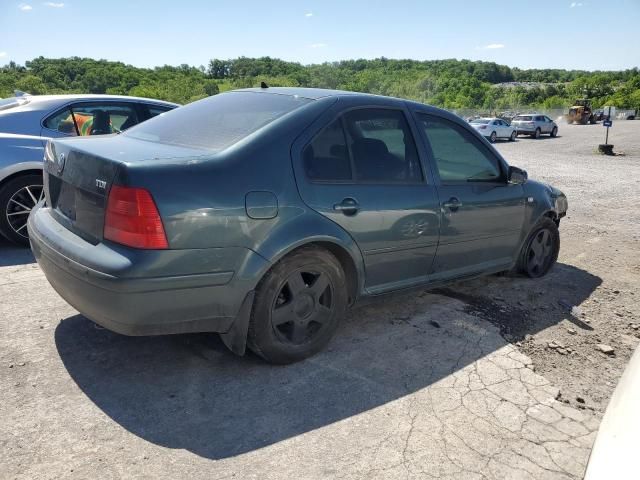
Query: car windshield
(483, 121)
(217, 122)
(523, 118)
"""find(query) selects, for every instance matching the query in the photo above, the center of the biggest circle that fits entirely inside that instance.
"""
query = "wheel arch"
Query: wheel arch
(347, 254)
(19, 169)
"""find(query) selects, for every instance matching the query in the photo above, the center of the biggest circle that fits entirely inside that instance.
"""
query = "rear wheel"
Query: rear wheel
(492, 137)
(513, 136)
(17, 198)
(536, 135)
(540, 251)
(298, 306)
(554, 132)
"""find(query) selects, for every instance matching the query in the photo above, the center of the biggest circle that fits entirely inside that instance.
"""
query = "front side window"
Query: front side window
(103, 119)
(62, 122)
(93, 119)
(155, 110)
(459, 156)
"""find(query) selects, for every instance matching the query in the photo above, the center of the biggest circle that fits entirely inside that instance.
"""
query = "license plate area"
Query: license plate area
(66, 204)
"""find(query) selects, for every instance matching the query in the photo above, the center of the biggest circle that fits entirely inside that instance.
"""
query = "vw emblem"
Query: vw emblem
(60, 163)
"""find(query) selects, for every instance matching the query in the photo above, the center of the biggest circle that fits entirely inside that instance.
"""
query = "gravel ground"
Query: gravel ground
(497, 378)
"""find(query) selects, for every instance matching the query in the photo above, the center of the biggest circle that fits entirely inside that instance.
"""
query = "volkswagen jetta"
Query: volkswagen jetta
(262, 214)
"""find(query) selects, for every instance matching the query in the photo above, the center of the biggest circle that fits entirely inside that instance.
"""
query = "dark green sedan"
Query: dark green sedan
(262, 214)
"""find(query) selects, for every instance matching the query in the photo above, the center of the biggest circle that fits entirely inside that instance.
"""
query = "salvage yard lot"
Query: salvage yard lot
(490, 378)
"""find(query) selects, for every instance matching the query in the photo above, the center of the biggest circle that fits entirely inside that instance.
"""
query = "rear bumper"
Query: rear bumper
(137, 292)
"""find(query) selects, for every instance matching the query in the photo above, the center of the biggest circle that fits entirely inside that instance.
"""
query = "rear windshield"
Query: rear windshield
(217, 122)
(483, 121)
(523, 118)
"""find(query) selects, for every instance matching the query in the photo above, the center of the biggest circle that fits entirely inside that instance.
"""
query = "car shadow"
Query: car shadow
(189, 392)
(11, 254)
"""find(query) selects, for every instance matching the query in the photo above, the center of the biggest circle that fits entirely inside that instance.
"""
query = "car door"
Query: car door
(482, 215)
(361, 168)
(91, 118)
(542, 123)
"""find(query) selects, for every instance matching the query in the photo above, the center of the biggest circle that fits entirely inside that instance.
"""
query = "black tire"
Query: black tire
(554, 132)
(17, 197)
(493, 137)
(537, 133)
(513, 136)
(540, 252)
(308, 314)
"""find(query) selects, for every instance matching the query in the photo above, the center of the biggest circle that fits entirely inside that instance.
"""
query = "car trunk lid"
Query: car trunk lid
(79, 173)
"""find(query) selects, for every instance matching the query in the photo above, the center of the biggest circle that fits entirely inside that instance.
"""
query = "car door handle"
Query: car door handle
(452, 204)
(348, 206)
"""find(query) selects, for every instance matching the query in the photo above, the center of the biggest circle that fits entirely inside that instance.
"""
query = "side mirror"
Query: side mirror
(517, 176)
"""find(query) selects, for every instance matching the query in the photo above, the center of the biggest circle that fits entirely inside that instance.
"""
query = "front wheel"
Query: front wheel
(554, 132)
(492, 137)
(540, 251)
(17, 198)
(513, 136)
(298, 306)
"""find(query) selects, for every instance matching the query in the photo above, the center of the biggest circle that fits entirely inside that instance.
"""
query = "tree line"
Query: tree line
(451, 84)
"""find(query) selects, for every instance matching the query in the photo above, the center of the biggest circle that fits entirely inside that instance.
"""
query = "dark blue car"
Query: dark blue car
(262, 214)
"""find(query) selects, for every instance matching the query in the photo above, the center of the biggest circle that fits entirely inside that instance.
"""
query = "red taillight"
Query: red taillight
(484, 127)
(132, 219)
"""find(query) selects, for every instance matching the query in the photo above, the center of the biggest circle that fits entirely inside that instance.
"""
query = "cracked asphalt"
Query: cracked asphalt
(452, 384)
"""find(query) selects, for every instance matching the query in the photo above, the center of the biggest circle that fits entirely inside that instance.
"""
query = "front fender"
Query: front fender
(543, 199)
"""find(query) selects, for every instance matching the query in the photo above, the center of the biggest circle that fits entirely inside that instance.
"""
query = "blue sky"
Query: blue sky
(522, 33)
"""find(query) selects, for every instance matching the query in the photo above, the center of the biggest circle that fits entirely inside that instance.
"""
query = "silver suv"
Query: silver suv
(534, 124)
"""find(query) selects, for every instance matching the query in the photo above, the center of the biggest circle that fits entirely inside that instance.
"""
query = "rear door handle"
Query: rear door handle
(348, 206)
(452, 204)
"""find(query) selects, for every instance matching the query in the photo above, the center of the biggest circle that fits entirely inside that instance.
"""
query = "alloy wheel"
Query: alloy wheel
(540, 253)
(20, 205)
(303, 307)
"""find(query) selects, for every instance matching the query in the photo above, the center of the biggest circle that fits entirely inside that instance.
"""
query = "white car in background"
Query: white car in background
(494, 128)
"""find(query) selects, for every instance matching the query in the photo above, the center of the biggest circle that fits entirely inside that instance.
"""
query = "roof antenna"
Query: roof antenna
(263, 85)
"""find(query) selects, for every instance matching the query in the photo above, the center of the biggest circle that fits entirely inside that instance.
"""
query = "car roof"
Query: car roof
(319, 93)
(310, 93)
(38, 102)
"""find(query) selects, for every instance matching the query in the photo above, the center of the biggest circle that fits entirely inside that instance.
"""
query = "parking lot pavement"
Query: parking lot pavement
(454, 384)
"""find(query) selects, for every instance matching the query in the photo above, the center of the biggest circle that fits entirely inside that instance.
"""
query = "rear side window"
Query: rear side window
(382, 146)
(459, 156)
(217, 122)
(326, 158)
(364, 145)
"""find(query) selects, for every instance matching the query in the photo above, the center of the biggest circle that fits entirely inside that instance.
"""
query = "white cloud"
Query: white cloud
(53, 4)
(24, 7)
(493, 46)
(3, 54)
(318, 45)
(575, 4)
(308, 14)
